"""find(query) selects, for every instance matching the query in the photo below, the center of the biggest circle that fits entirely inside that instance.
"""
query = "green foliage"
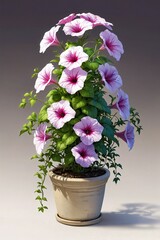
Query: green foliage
(23, 103)
(111, 161)
(91, 65)
(88, 90)
(90, 111)
(100, 147)
(135, 120)
(44, 165)
(53, 96)
(35, 73)
(102, 60)
(28, 97)
(89, 51)
(42, 116)
(100, 104)
(78, 102)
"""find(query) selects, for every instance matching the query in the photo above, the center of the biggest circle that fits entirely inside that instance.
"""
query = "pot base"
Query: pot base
(78, 222)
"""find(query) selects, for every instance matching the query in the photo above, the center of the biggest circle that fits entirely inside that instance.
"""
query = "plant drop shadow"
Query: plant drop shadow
(135, 215)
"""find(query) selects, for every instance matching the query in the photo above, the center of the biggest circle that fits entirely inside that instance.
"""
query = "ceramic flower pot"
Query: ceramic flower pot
(79, 200)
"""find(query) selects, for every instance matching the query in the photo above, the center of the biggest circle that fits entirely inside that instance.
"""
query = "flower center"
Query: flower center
(60, 113)
(83, 153)
(88, 130)
(121, 103)
(73, 80)
(72, 58)
(110, 45)
(46, 77)
(109, 77)
(76, 29)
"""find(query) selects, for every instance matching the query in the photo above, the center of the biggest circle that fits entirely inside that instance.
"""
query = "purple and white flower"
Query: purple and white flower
(77, 27)
(59, 113)
(73, 57)
(73, 80)
(112, 44)
(95, 20)
(67, 19)
(84, 155)
(110, 76)
(40, 137)
(122, 104)
(44, 78)
(127, 135)
(49, 39)
(89, 130)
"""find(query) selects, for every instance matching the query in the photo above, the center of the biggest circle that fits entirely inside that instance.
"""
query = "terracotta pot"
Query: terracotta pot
(79, 200)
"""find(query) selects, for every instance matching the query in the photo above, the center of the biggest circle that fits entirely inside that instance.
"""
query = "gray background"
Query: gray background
(131, 208)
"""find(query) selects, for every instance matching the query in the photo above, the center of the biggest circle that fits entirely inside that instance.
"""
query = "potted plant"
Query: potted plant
(81, 120)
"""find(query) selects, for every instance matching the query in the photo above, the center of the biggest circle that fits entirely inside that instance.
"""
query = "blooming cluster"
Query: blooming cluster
(76, 118)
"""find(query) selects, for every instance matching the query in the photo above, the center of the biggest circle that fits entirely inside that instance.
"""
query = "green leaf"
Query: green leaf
(43, 116)
(100, 147)
(91, 65)
(106, 120)
(108, 131)
(65, 128)
(70, 44)
(38, 198)
(61, 146)
(32, 102)
(41, 209)
(101, 105)
(27, 95)
(69, 159)
(56, 158)
(53, 96)
(68, 97)
(38, 191)
(38, 175)
(32, 117)
(102, 59)
(90, 111)
(57, 71)
(44, 199)
(71, 139)
(78, 102)
(87, 90)
(52, 93)
(22, 105)
(66, 135)
(75, 120)
(23, 131)
(34, 157)
(89, 51)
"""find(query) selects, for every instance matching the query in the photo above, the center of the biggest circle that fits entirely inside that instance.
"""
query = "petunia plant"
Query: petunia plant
(85, 112)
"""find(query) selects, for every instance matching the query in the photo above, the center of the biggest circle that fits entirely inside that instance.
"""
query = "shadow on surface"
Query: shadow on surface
(136, 215)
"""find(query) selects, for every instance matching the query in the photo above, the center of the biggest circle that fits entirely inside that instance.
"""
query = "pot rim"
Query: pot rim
(55, 176)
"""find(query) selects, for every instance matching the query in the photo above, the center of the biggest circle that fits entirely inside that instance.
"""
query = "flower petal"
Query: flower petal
(112, 44)
(84, 155)
(77, 27)
(49, 39)
(73, 57)
(59, 113)
(73, 80)
(44, 78)
(89, 130)
(110, 76)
